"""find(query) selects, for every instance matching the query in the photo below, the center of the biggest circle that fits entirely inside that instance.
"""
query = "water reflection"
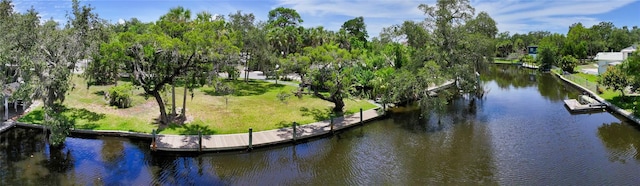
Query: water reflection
(621, 144)
(518, 134)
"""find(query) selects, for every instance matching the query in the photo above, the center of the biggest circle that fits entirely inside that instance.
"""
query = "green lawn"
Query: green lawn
(614, 97)
(589, 77)
(253, 105)
(502, 61)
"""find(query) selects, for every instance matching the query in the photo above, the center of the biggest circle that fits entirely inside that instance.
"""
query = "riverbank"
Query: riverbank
(625, 113)
(289, 133)
(250, 140)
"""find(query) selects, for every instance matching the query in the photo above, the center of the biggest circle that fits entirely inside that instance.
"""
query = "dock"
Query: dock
(244, 141)
(576, 106)
(531, 66)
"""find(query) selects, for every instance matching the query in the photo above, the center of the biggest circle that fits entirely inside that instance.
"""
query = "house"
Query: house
(606, 59)
(626, 52)
(532, 51)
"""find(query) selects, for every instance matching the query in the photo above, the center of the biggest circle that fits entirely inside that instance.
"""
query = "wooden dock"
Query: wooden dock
(225, 142)
(576, 106)
(531, 66)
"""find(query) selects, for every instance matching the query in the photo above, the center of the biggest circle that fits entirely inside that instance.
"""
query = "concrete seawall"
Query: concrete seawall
(627, 114)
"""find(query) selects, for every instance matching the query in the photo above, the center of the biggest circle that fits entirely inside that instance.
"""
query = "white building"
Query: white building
(606, 59)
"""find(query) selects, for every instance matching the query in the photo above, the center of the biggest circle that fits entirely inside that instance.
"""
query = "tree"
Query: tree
(175, 24)
(283, 30)
(357, 29)
(243, 24)
(568, 63)
(548, 51)
(614, 79)
(157, 60)
(58, 52)
(452, 39)
(620, 38)
(333, 73)
(631, 68)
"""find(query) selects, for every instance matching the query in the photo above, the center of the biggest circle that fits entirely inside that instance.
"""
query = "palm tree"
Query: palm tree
(175, 24)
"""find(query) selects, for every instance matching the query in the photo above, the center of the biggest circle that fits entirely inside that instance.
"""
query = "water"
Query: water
(519, 134)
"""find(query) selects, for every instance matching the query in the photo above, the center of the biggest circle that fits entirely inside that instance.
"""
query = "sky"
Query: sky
(515, 16)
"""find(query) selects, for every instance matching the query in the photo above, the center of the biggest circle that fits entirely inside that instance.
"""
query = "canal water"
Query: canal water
(520, 133)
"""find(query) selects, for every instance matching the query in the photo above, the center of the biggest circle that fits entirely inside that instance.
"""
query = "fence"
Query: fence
(593, 86)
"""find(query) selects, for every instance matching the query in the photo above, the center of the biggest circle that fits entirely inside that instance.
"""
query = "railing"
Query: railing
(583, 82)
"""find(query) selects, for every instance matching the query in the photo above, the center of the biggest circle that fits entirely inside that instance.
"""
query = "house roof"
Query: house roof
(630, 49)
(609, 56)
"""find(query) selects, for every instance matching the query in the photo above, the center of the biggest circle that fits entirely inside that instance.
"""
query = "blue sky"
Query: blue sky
(515, 16)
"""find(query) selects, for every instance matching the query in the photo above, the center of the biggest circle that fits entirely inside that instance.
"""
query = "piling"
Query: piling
(250, 138)
(360, 116)
(153, 140)
(331, 124)
(200, 141)
(294, 131)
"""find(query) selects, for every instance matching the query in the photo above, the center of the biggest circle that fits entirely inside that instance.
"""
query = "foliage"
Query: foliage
(631, 68)
(120, 95)
(357, 29)
(59, 124)
(546, 54)
(283, 97)
(334, 73)
(614, 79)
(568, 63)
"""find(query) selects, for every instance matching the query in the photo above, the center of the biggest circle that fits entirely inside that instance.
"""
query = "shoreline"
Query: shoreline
(626, 114)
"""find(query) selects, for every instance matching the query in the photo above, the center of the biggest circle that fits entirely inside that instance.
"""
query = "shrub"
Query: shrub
(568, 63)
(600, 90)
(283, 97)
(120, 96)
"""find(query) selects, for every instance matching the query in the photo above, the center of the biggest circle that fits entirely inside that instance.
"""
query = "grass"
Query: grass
(628, 103)
(253, 105)
(503, 61)
(589, 77)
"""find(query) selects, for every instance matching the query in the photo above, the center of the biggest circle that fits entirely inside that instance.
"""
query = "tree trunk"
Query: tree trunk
(173, 99)
(184, 102)
(163, 120)
(339, 105)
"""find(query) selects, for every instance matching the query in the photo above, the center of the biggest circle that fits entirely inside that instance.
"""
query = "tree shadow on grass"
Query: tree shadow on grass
(88, 126)
(242, 88)
(100, 93)
(284, 124)
(317, 114)
(189, 129)
(85, 114)
(37, 116)
(322, 114)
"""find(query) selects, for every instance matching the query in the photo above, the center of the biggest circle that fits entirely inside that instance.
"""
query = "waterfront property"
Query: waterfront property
(532, 51)
(606, 59)
(496, 141)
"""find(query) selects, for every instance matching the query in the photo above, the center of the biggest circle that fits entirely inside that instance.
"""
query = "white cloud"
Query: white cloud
(523, 16)
(515, 16)
(121, 21)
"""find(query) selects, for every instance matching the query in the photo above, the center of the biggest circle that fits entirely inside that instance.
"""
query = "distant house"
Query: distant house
(532, 51)
(606, 59)
(626, 52)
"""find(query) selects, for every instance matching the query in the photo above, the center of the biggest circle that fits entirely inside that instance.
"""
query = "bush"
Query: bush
(120, 96)
(600, 90)
(568, 63)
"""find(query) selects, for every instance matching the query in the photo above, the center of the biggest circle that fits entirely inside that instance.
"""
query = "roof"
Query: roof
(609, 56)
(630, 49)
